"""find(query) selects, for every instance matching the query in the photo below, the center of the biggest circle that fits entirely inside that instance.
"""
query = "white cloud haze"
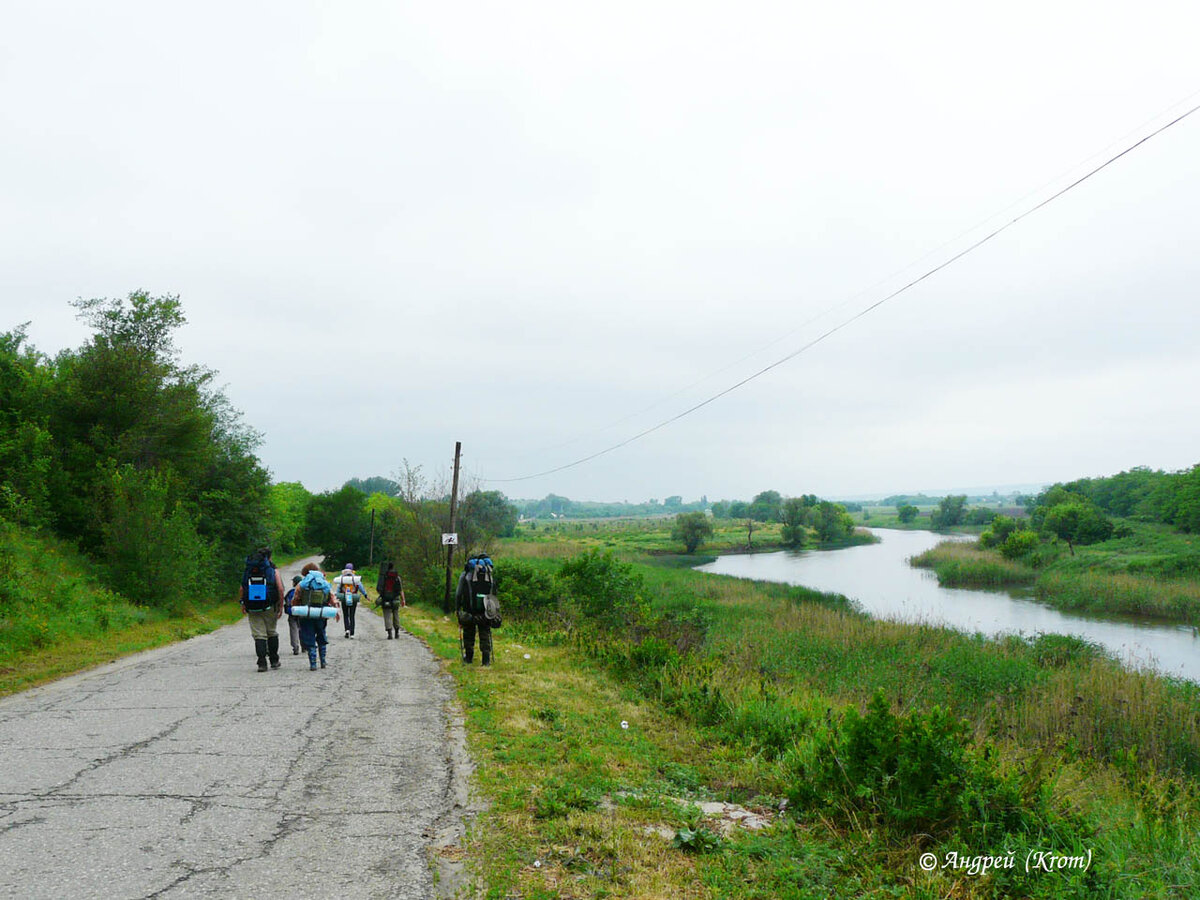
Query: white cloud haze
(400, 225)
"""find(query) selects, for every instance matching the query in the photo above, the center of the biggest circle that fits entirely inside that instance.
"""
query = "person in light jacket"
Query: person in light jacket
(350, 592)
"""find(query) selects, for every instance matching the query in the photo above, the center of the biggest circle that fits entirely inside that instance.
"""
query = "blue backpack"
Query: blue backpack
(258, 583)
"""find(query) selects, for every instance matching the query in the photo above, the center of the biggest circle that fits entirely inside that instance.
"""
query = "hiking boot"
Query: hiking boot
(389, 635)
(273, 650)
(487, 659)
(260, 650)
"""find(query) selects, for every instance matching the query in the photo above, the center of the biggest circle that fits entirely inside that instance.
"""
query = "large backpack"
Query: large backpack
(347, 590)
(258, 583)
(481, 605)
(389, 588)
(312, 591)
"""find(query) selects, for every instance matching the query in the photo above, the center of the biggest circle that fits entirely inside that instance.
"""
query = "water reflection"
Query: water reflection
(882, 582)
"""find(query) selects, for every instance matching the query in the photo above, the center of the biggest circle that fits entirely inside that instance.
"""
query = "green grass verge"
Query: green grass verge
(737, 691)
(57, 619)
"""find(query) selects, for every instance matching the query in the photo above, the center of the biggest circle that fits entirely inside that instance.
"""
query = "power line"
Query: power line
(878, 303)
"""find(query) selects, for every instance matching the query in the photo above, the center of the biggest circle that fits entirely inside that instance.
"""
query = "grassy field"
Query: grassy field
(56, 619)
(859, 745)
(1149, 572)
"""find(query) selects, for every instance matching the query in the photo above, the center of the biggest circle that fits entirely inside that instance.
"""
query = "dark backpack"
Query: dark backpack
(481, 605)
(258, 583)
(389, 587)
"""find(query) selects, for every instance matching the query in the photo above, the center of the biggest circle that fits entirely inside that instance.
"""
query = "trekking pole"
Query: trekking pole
(461, 650)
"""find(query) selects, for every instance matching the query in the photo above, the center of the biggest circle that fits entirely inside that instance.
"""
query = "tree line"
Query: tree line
(140, 460)
(123, 449)
(558, 507)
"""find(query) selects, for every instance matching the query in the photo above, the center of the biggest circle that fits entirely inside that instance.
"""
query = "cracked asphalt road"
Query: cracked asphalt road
(184, 772)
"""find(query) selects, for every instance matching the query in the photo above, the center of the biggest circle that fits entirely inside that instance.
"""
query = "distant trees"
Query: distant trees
(950, 512)
(765, 507)
(488, 514)
(833, 523)
(692, 529)
(907, 513)
(376, 484)
(795, 514)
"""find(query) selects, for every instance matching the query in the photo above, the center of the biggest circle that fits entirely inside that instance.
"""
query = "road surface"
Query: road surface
(184, 772)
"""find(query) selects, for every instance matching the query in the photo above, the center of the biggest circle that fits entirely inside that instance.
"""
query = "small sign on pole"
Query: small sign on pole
(449, 540)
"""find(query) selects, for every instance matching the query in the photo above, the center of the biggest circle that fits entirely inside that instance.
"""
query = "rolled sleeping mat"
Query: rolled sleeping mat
(315, 612)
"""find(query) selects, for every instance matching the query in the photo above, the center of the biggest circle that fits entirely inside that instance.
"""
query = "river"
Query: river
(880, 580)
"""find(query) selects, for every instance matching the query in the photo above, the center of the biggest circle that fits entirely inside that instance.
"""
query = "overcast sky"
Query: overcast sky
(540, 228)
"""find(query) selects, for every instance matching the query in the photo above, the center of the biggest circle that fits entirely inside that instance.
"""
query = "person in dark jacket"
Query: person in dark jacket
(262, 614)
(476, 580)
(390, 592)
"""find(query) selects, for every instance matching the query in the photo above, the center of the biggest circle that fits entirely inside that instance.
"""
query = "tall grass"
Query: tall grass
(1118, 592)
(961, 564)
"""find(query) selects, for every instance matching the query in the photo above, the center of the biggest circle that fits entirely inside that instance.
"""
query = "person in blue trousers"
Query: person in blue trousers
(314, 590)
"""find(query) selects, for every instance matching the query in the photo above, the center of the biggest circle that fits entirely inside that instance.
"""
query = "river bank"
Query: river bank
(880, 580)
(1147, 571)
(733, 691)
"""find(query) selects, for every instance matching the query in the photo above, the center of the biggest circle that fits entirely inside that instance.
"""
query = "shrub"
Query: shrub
(1018, 543)
(525, 589)
(604, 590)
(913, 774)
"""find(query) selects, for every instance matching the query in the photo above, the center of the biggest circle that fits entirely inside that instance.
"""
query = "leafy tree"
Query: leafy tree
(26, 447)
(1077, 523)
(154, 554)
(907, 512)
(376, 484)
(950, 512)
(766, 506)
(737, 509)
(833, 523)
(795, 514)
(287, 511)
(123, 399)
(673, 502)
(720, 509)
(692, 529)
(485, 514)
(339, 524)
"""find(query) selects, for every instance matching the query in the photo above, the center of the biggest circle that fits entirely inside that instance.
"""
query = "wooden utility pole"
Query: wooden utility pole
(446, 604)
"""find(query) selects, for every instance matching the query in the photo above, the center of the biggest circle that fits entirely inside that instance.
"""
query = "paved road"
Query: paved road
(184, 772)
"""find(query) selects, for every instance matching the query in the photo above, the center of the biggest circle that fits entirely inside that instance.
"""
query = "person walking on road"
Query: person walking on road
(261, 597)
(315, 593)
(476, 587)
(293, 625)
(391, 598)
(350, 592)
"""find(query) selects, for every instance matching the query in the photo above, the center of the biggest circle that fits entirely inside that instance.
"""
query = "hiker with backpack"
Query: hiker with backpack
(477, 607)
(293, 624)
(391, 597)
(261, 597)
(350, 592)
(312, 604)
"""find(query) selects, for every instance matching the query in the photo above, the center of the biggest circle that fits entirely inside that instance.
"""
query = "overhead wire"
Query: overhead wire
(865, 311)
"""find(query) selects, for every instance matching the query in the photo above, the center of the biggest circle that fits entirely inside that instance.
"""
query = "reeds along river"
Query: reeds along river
(879, 578)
